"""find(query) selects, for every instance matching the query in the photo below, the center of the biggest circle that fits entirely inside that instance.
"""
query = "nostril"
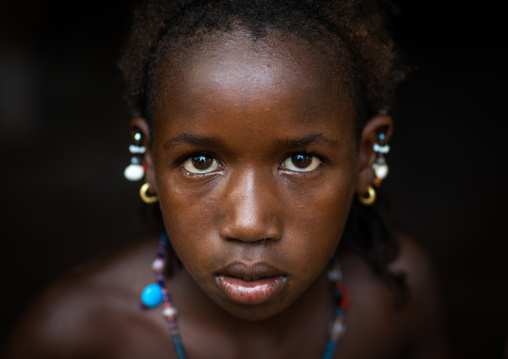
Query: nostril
(261, 241)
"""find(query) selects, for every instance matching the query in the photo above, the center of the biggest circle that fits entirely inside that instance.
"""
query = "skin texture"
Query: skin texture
(246, 107)
(249, 112)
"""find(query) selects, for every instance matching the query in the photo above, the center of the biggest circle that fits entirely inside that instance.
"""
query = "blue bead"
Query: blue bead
(152, 295)
(330, 348)
(178, 346)
(164, 238)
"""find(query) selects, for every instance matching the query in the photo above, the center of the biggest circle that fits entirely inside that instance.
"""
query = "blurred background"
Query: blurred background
(64, 140)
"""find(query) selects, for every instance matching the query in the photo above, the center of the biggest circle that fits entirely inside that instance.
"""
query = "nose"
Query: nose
(251, 208)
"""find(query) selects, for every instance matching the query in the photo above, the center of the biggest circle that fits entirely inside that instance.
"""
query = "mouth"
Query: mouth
(250, 284)
(250, 279)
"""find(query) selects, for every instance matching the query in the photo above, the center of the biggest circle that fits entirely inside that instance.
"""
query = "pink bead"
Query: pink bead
(170, 312)
(158, 265)
(338, 328)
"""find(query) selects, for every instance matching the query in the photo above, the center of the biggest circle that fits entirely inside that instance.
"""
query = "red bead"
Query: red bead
(345, 296)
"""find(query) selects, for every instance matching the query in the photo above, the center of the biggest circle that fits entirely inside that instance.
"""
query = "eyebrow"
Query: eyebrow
(308, 139)
(190, 139)
(199, 140)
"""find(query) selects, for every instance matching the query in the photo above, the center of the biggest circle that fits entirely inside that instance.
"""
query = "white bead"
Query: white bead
(170, 312)
(158, 265)
(134, 172)
(338, 329)
(381, 149)
(137, 149)
(334, 275)
(380, 169)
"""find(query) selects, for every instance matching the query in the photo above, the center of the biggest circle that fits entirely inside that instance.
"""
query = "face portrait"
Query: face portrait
(255, 164)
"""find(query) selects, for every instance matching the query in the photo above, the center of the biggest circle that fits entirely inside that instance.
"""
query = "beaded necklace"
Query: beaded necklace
(156, 293)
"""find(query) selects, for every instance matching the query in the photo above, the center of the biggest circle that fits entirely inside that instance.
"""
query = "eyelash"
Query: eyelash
(181, 161)
(321, 159)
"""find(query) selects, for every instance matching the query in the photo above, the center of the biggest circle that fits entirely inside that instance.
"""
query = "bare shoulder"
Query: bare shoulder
(416, 329)
(87, 308)
(413, 260)
(425, 322)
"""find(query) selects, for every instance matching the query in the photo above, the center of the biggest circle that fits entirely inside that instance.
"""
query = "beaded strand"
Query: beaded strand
(159, 293)
(155, 294)
(341, 296)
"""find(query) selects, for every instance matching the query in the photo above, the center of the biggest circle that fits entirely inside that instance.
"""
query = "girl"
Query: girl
(261, 131)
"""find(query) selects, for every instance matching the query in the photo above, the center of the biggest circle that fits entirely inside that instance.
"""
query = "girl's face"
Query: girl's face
(255, 166)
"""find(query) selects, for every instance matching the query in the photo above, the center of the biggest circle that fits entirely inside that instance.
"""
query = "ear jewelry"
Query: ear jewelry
(156, 293)
(144, 195)
(370, 199)
(380, 167)
(136, 170)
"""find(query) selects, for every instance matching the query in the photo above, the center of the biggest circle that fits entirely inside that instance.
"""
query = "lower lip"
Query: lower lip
(250, 292)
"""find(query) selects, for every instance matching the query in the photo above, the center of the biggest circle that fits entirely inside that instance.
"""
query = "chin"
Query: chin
(254, 313)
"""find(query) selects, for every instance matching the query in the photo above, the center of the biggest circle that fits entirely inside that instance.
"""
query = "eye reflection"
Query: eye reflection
(301, 162)
(201, 164)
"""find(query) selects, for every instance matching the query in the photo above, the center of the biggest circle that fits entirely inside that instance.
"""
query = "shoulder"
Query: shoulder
(426, 324)
(415, 329)
(78, 312)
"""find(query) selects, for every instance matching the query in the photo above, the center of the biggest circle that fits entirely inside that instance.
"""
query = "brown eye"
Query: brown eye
(201, 164)
(301, 162)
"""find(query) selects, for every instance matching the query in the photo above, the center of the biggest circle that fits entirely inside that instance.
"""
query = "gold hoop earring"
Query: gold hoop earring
(144, 196)
(370, 199)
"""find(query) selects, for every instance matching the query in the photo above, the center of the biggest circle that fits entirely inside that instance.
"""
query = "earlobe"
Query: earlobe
(372, 167)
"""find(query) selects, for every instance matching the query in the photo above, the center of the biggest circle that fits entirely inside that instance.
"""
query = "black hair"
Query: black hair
(361, 28)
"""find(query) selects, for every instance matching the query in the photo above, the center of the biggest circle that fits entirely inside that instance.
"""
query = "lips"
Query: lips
(250, 284)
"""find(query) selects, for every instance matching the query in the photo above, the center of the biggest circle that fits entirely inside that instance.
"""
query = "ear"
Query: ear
(367, 156)
(140, 124)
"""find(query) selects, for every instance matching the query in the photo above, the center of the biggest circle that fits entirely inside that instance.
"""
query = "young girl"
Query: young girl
(260, 129)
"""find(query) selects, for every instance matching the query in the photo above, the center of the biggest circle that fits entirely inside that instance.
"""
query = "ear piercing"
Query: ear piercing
(380, 167)
(369, 199)
(136, 170)
(143, 193)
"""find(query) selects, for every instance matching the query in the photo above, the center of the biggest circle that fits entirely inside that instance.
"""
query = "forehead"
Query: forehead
(236, 70)
(236, 61)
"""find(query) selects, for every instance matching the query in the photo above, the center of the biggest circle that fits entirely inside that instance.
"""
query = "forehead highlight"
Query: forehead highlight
(240, 65)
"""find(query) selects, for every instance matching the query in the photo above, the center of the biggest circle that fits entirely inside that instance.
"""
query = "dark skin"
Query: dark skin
(245, 109)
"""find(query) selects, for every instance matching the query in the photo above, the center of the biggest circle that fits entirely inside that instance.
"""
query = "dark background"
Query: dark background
(64, 145)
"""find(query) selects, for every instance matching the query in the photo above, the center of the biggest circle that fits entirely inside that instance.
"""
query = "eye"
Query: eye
(301, 162)
(201, 164)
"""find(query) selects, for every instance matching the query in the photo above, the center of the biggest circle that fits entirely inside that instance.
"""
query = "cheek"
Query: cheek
(318, 219)
(190, 220)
